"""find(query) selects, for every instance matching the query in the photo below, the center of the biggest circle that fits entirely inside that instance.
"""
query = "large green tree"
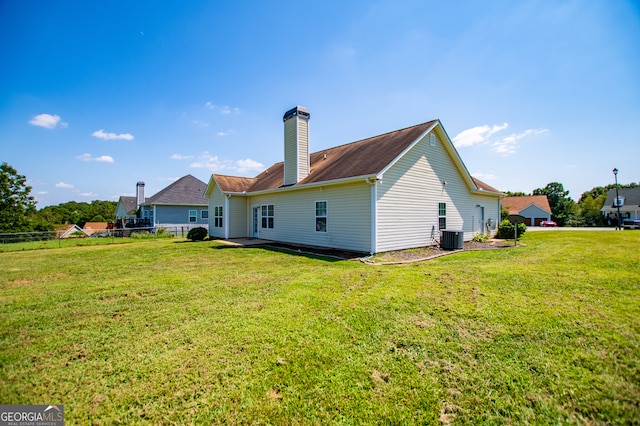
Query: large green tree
(16, 203)
(562, 206)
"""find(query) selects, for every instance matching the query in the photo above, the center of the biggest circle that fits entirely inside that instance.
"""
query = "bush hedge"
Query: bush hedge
(197, 234)
(506, 230)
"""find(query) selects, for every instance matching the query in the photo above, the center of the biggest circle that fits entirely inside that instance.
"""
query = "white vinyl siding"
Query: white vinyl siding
(216, 198)
(236, 212)
(412, 189)
(294, 216)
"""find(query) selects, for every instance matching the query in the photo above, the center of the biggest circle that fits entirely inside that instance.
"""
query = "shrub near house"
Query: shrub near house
(197, 234)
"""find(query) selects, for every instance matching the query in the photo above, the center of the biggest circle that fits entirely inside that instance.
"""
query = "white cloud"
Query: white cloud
(222, 109)
(42, 192)
(476, 135)
(483, 135)
(507, 146)
(101, 134)
(181, 157)
(248, 165)
(63, 185)
(47, 121)
(88, 194)
(215, 164)
(100, 159)
(208, 161)
(484, 176)
(226, 133)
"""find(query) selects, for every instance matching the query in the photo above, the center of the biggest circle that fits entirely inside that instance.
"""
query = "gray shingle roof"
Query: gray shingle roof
(631, 198)
(187, 190)
(129, 204)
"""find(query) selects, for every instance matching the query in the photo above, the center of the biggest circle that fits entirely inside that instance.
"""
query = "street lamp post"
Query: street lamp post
(615, 173)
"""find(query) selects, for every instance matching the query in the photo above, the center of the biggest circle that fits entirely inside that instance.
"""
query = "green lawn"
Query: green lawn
(171, 332)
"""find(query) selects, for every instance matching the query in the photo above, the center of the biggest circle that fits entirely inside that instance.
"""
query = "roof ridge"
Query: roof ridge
(375, 136)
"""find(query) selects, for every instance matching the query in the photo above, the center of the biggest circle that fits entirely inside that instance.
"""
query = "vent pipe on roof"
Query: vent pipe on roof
(139, 194)
(296, 145)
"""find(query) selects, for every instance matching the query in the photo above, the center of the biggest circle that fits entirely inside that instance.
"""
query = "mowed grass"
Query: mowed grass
(171, 332)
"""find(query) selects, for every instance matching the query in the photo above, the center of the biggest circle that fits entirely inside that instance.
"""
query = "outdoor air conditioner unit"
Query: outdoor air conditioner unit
(452, 240)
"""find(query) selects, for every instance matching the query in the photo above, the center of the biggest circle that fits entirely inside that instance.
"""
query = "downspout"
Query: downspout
(155, 218)
(225, 216)
(374, 218)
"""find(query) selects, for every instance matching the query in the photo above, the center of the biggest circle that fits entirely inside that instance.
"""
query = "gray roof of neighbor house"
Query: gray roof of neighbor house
(129, 204)
(187, 190)
(631, 199)
(362, 158)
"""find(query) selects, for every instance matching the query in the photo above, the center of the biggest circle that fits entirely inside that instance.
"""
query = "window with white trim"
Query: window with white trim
(193, 216)
(204, 214)
(618, 201)
(442, 215)
(321, 216)
(267, 216)
(217, 216)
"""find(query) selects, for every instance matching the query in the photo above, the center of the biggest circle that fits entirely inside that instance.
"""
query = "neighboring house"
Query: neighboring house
(534, 208)
(91, 228)
(629, 201)
(387, 192)
(69, 231)
(127, 207)
(181, 204)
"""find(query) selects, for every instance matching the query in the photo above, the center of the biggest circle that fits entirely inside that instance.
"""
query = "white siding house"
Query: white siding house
(389, 192)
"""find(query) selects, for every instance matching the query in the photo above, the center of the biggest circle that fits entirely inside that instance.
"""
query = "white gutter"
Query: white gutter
(225, 216)
(307, 185)
(374, 216)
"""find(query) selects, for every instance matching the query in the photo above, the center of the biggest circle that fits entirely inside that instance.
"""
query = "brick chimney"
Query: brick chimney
(296, 145)
(139, 194)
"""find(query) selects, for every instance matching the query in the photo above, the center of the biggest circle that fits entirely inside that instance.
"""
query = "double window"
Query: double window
(267, 216)
(217, 216)
(193, 216)
(442, 216)
(321, 216)
(204, 214)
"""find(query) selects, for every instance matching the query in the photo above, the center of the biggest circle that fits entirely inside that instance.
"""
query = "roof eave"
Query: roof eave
(363, 178)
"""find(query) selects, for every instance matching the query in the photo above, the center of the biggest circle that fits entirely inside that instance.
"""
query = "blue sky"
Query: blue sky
(95, 96)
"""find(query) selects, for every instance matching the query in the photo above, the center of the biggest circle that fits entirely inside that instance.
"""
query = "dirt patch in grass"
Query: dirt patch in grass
(431, 252)
(392, 257)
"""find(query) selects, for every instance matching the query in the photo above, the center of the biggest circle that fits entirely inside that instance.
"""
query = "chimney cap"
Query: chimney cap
(141, 183)
(299, 110)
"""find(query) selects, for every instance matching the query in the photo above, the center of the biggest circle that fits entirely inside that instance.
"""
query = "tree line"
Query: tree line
(18, 212)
